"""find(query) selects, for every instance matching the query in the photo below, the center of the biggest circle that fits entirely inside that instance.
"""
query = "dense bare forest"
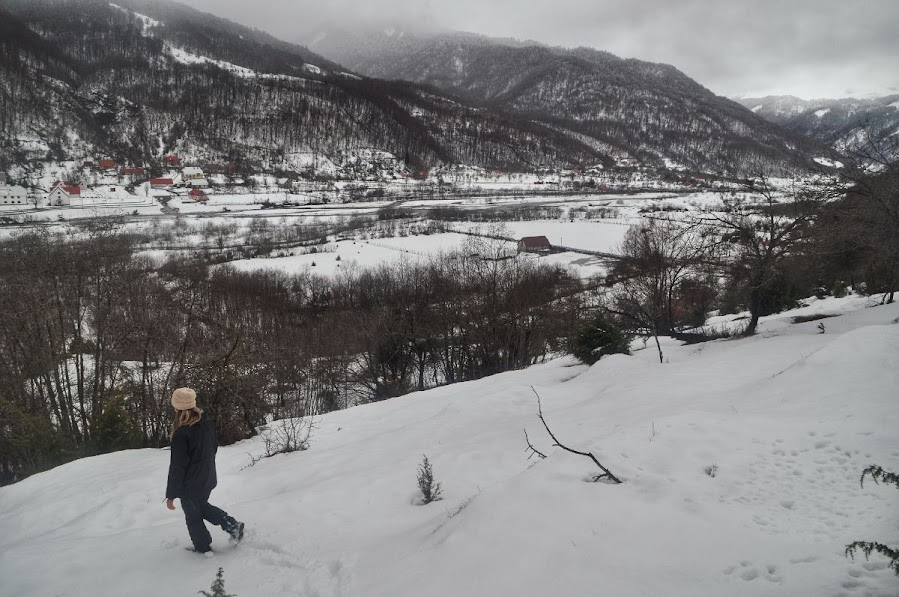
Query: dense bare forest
(93, 339)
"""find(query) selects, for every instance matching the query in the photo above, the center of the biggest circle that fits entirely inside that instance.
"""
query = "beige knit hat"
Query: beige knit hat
(184, 399)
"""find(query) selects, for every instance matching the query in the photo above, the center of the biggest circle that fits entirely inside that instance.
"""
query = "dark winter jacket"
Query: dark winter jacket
(192, 467)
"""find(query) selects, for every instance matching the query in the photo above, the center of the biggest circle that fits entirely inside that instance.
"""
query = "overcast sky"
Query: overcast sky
(807, 48)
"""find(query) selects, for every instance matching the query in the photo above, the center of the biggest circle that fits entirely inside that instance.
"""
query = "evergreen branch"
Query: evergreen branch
(869, 547)
(879, 475)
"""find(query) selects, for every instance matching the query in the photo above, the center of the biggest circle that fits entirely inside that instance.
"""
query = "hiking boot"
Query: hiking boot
(235, 529)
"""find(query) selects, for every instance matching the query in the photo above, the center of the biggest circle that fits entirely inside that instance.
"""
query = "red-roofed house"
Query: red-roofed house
(172, 160)
(161, 182)
(534, 244)
(131, 171)
(61, 193)
(198, 195)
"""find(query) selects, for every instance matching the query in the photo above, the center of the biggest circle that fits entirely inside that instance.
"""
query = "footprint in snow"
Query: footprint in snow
(749, 572)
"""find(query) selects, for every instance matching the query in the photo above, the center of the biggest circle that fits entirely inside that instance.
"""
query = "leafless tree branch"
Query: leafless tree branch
(606, 473)
(534, 451)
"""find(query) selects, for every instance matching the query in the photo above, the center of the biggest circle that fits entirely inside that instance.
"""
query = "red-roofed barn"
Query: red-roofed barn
(534, 244)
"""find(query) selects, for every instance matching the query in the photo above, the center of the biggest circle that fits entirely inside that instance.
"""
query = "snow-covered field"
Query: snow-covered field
(788, 419)
(361, 254)
(600, 235)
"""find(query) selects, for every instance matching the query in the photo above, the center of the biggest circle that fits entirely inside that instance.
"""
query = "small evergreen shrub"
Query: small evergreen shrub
(430, 490)
(113, 429)
(598, 338)
(218, 587)
(839, 289)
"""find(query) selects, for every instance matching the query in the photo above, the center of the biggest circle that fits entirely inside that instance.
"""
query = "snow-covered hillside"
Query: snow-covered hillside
(786, 420)
(848, 124)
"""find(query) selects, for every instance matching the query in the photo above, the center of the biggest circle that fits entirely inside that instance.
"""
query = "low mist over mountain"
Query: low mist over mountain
(844, 124)
(138, 80)
(649, 111)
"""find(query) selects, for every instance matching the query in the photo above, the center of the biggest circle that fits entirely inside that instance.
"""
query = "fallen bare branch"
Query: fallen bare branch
(534, 451)
(606, 473)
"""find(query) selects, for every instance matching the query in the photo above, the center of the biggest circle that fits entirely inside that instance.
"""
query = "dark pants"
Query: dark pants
(196, 510)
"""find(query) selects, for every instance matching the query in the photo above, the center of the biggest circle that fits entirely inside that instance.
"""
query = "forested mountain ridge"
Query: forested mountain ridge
(649, 111)
(843, 123)
(140, 80)
(137, 80)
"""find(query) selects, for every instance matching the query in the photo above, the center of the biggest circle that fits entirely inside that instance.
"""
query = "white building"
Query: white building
(61, 193)
(13, 195)
(193, 177)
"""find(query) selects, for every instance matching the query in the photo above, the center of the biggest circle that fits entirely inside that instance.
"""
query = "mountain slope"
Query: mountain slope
(649, 111)
(846, 124)
(788, 419)
(140, 80)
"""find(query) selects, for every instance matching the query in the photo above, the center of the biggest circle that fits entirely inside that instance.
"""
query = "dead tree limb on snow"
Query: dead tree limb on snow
(606, 473)
(534, 451)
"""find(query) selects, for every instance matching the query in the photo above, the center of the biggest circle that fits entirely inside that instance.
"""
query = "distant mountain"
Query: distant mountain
(842, 123)
(652, 112)
(139, 80)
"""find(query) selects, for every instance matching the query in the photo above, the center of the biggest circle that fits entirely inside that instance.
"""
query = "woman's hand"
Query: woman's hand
(170, 504)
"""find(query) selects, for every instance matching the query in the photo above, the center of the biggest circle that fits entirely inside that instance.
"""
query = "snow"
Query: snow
(186, 57)
(672, 165)
(339, 256)
(822, 112)
(146, 22)
(757, 108)
(789, 417)
(360, 253)
(828, 162)
(602, 235)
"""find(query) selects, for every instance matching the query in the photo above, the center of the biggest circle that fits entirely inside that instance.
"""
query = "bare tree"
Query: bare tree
(659, 256)
(862, 226)
(757, 232)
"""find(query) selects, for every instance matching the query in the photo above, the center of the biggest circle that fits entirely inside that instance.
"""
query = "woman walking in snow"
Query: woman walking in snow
(192, 472)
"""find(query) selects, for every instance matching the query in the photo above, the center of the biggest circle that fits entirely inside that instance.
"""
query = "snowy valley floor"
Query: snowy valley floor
(789, 418)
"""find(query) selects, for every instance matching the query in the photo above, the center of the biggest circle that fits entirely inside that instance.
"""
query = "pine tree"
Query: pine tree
(598, 338)
(218, 586)
(430, 490)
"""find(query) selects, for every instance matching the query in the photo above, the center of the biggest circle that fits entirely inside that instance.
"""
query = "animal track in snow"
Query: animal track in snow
(747, 571)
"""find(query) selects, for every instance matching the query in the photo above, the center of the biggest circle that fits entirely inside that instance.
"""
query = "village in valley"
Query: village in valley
(359, 208)
(352, 176)
(105, 181)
